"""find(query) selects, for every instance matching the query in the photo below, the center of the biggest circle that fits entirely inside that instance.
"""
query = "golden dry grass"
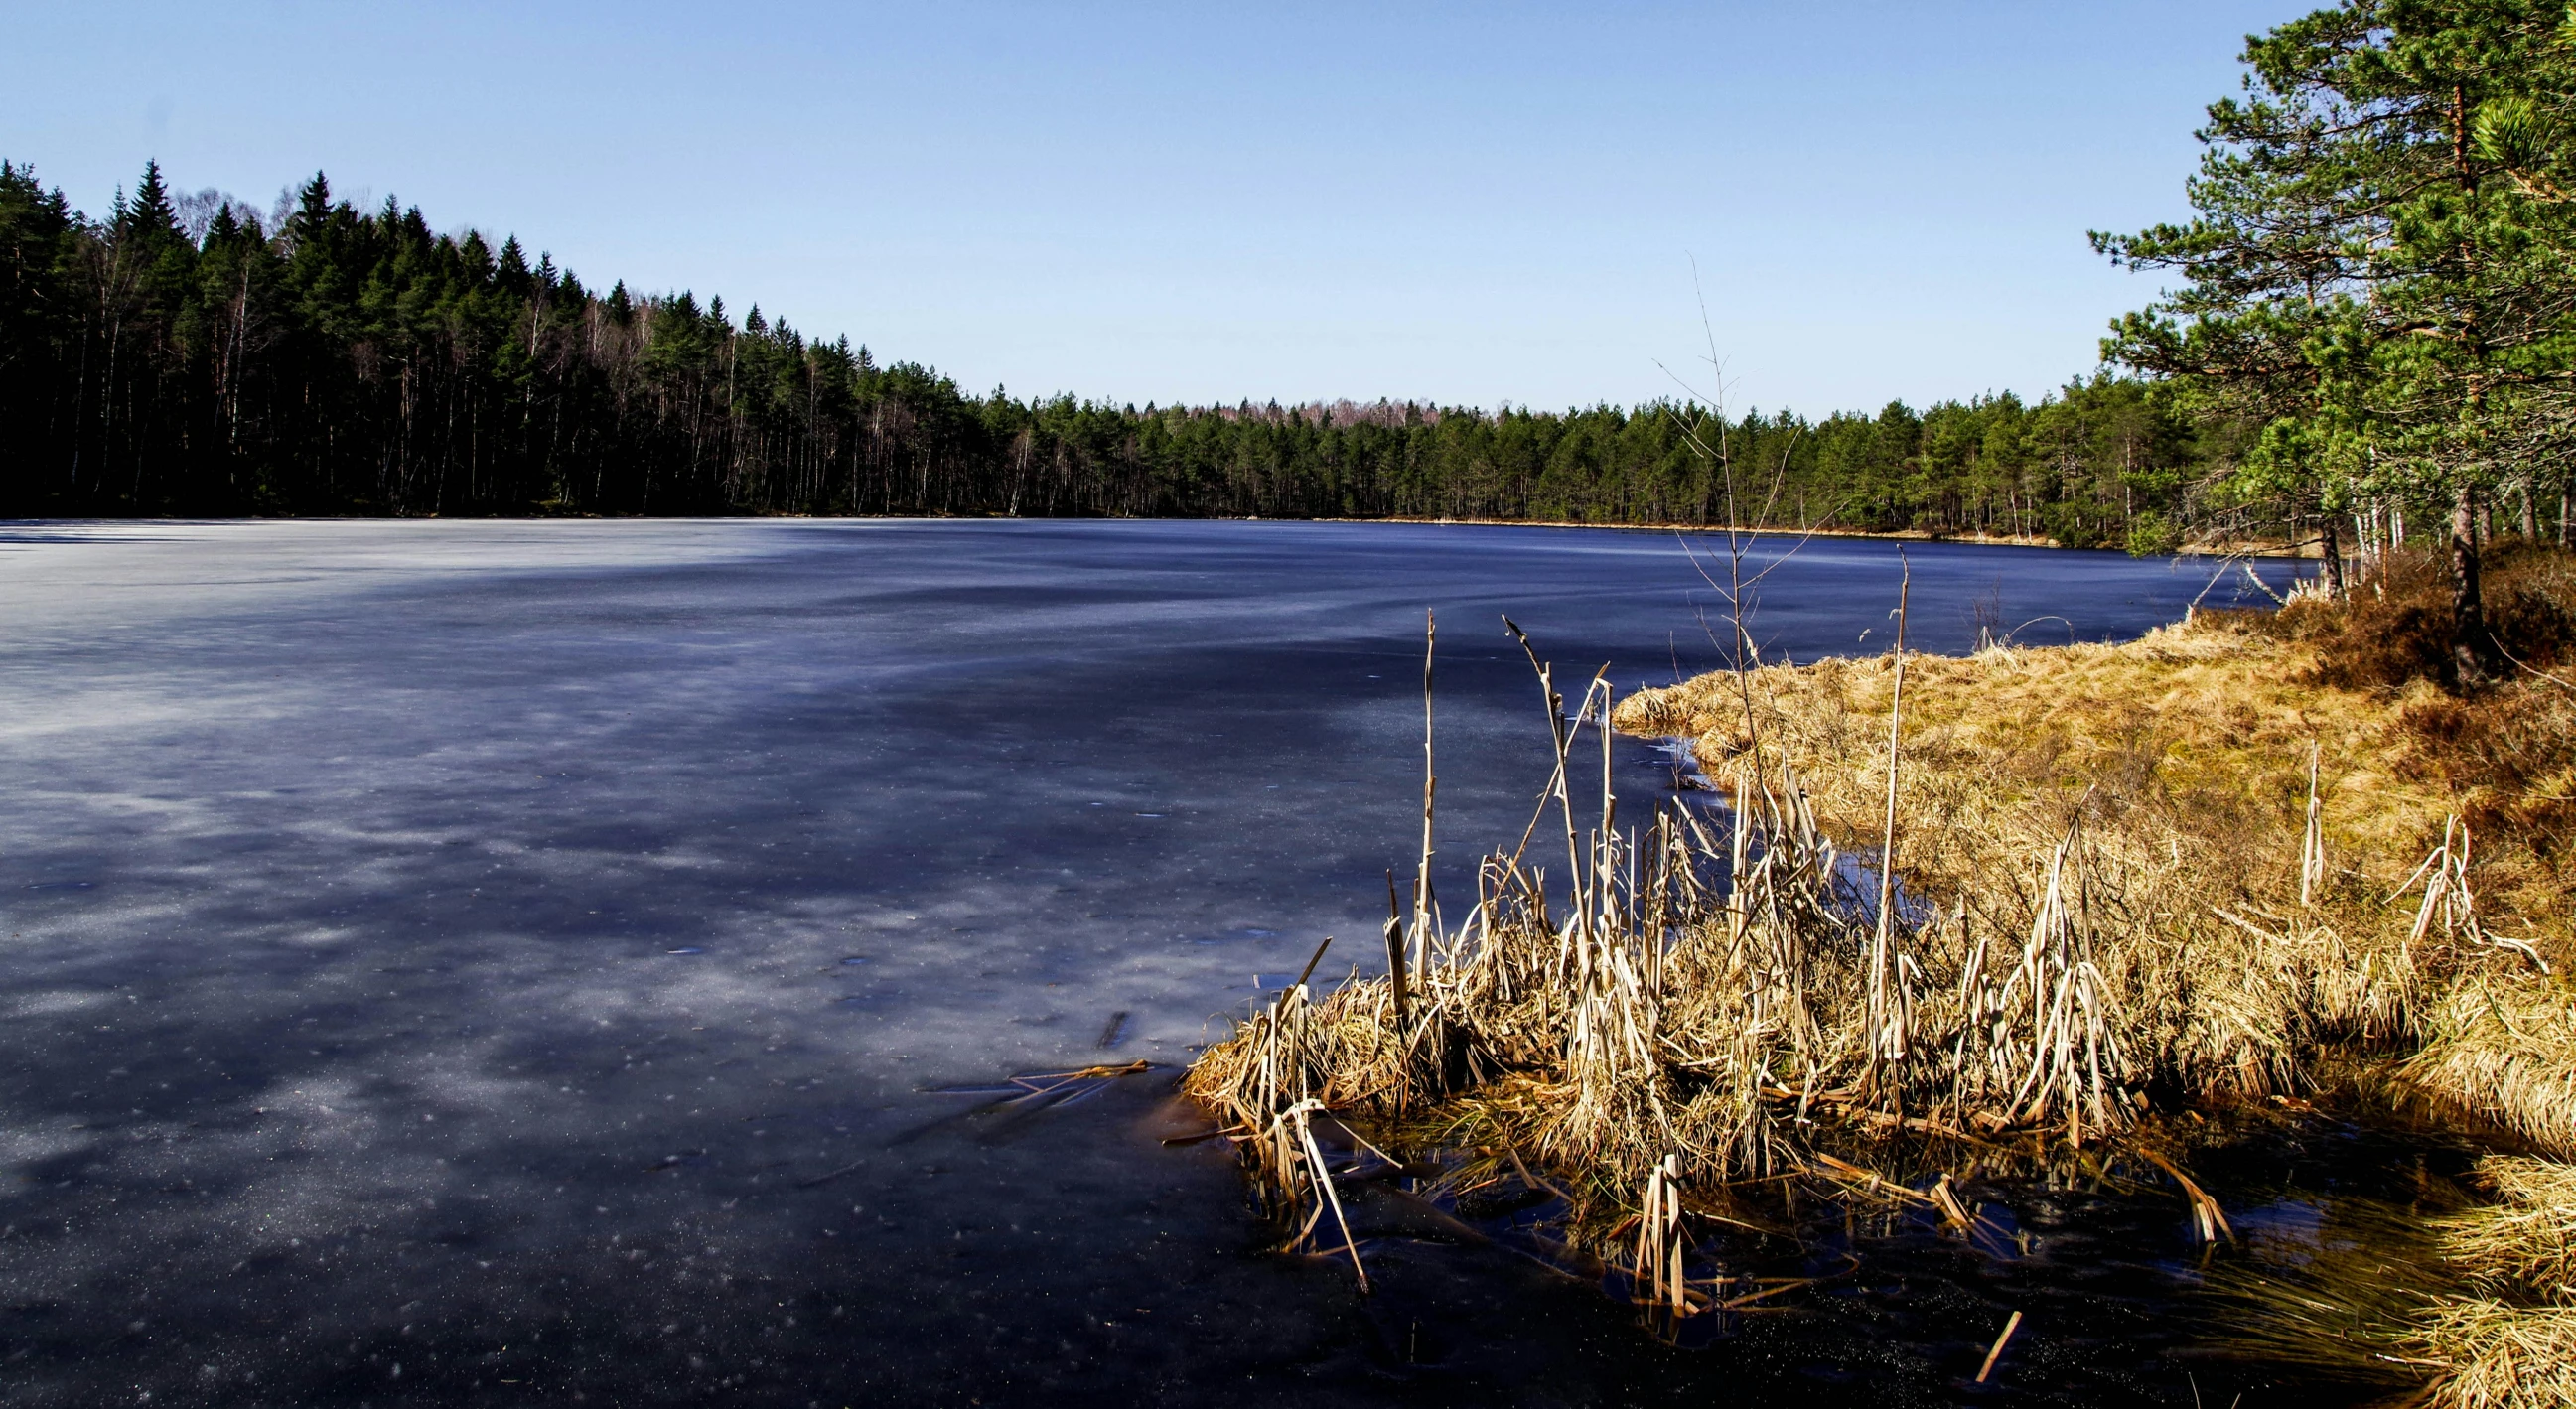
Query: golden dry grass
(2194, 741)
(2116, 901)
(2189, 752)
(2504, 1048)
(2511, 1341)
(2499, 1355)
(2526, 1240)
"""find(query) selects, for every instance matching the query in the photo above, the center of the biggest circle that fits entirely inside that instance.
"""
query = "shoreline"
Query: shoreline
(2254, 956)
(2261, 549)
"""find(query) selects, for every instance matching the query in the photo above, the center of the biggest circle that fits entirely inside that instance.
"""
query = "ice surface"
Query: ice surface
(428, 944)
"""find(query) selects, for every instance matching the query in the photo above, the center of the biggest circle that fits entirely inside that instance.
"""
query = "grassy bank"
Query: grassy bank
(2139, 882)
(2213, 548)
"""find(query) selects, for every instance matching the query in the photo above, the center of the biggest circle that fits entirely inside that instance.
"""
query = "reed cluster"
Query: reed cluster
(2021, 905)
(2314, 843)
(1734, 999)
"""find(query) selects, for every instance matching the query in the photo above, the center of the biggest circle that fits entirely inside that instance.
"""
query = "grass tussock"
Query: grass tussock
(2526, 1240)
(2510, 1339)
(2504, 1048)
(2017, 904)
(2500, 1355)
(2196, 741)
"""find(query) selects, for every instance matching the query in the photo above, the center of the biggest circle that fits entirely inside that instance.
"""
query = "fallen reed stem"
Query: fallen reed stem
(1996, 1353)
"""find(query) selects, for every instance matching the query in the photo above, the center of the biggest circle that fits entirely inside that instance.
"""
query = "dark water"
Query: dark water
(464, 963)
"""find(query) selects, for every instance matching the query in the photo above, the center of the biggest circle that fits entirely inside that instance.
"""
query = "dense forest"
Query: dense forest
(2371, 324)
(188, 354)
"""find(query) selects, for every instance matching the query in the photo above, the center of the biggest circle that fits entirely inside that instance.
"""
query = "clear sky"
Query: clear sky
(1206, 202)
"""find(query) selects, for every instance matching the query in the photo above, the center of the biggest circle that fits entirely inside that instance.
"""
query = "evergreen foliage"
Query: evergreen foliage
(2380, 281)
(190, 355)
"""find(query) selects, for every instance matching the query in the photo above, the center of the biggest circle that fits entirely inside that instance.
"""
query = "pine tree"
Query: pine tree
(2279, 267)
(2383, 273)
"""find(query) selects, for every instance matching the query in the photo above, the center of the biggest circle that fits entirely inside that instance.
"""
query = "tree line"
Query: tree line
(188, 354)
(2371, 336)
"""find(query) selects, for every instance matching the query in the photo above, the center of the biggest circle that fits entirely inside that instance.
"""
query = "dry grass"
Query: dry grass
(2135, 878)
(2187, 750)
(2526, 1240)
(2510, 1340)
(2504, 1048)
(2500, 1355)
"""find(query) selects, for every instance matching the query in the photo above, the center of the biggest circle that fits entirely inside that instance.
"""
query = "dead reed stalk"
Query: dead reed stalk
(2115, 883)
(1886, 1031)
(1702, 1003)
(2312, 842)
(1660, 1279)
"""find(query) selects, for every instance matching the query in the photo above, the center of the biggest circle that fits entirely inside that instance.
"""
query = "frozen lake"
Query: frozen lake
(469, 962)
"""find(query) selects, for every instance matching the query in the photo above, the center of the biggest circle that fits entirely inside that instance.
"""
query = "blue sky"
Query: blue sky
(1466, 204)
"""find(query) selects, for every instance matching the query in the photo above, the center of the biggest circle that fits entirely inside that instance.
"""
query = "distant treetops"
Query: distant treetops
(2369, 324)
